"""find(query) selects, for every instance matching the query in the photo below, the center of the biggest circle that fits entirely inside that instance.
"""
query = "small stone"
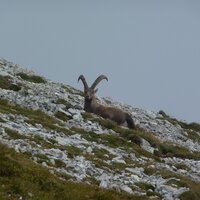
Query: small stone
(151, 114)
(104, 184)
(127, 189)
(51, 171)
(30, 194)
(182, 171)
(146, 146)
(89, 150)
(77, 117)
(44, 164)
(2, 132)
(137, 122)
(135, 177)
(52, 161)
(73, 111)
(113, 132)
(118, 160)
(104, 180)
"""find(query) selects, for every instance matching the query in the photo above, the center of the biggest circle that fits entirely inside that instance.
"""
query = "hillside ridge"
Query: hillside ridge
(46, 121)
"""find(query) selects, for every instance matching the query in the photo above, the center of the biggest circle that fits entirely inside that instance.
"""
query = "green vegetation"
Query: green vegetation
(62, 116)
(64, 102)
(150, 170)
(71, 90)
(42, 158)
(171, 150)
(32, 78)
(2, 120)
(182, 181)
(179, 181)
(6, 83)
(115, 141)
(44, 142)
(149, 189)
(59, 163)
(72, 151)
(182, 166)
(14, 134)
(35, 116)
(194, 126)
(21, 178)
(87, 115)
(164, 149)
(134, 135)
(193, 135)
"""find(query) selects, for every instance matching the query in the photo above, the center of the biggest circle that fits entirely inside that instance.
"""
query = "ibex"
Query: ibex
(91, 105)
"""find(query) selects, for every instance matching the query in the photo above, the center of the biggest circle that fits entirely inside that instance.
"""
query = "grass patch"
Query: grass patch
(64, 102)
(14, 134)
(148, 188)
(43, 142)
(90, 136)
(193, 136)
(126, 135)
(71, 90)
(129, 134)
(194, 126)
(20, 177)
(115, 141)
(106, 123)
(100, 153)
(98, 162)
(62, 116)
(182, 166)
(150, 170)
(87, 116)
(2, 120)
(32, 78)
(42, 158)
(164, 149)
(194, 187)
(59, 163)
(34, 116)
(6, 83)
(72, 151)
(170, 150)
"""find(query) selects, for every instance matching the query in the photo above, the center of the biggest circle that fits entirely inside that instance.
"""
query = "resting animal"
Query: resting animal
(91, 105)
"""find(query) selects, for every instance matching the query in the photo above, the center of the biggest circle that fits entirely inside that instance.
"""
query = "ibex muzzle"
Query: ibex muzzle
(91, 105)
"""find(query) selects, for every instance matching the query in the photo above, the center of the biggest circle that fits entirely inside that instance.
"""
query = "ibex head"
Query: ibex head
(89, 92)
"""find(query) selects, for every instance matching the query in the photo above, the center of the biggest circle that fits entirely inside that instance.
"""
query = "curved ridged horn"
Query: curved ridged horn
(97, 81)
(82, 78)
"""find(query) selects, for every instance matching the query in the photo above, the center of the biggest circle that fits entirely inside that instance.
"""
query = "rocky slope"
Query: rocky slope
(46, 120)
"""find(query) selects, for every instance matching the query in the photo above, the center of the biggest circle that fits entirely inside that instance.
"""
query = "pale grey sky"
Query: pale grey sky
(149, 49)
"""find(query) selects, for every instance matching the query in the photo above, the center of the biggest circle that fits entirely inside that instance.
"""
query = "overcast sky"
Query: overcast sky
(149, 49)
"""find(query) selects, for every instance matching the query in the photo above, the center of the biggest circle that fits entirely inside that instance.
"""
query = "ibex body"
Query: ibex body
(91, 105)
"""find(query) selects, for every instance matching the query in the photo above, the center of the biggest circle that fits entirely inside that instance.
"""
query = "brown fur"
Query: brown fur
(91, 105)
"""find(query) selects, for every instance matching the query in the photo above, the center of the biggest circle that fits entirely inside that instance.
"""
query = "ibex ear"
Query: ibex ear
(96, 91)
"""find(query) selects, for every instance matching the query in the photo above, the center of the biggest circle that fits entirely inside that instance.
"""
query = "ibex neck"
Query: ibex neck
(90, 106)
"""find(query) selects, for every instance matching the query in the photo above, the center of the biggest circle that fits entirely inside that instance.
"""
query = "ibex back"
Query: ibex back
(91, 105)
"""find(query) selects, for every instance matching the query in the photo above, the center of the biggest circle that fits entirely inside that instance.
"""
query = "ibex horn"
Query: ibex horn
(97, 81)
(82, 78)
